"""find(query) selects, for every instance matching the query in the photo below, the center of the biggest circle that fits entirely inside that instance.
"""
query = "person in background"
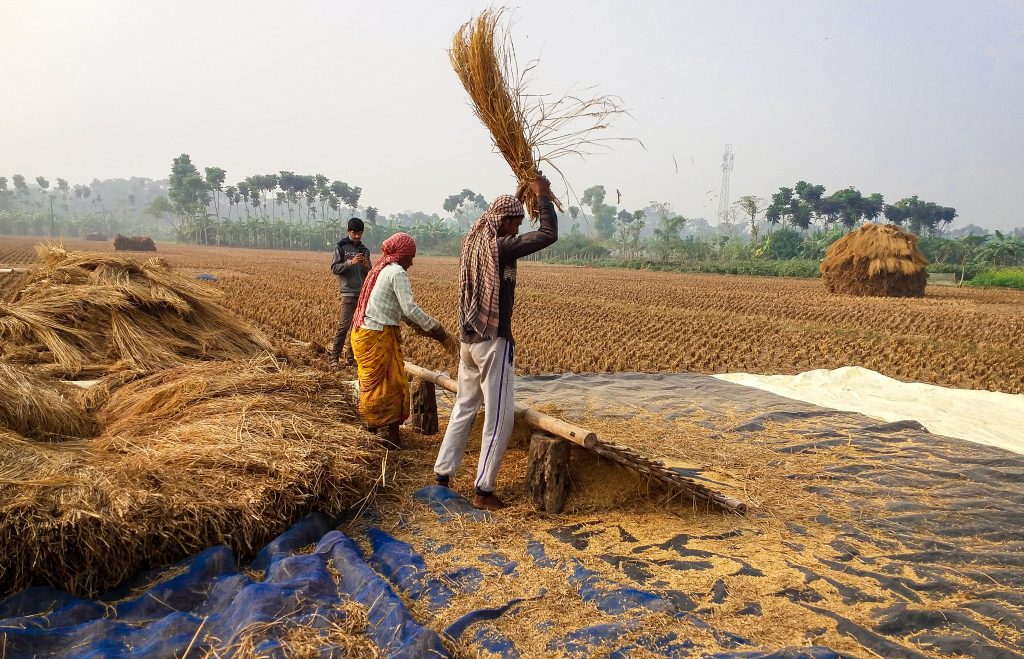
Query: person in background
(351, 264)
(386, 300)
(487, 278)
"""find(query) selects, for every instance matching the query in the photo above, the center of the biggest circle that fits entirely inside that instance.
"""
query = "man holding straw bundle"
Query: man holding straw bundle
(385, 300)
(487, 279)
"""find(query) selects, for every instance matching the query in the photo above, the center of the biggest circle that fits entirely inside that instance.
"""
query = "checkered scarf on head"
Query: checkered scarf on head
(392, 249)
(479, 278)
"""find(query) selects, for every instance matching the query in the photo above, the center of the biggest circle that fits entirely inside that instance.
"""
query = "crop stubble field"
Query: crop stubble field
(573, 319)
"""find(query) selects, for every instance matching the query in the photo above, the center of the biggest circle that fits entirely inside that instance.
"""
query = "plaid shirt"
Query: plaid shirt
(391, 301)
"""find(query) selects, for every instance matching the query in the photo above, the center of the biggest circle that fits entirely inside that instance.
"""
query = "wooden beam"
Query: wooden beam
(440, 379)
(621, 454)
(539, 420)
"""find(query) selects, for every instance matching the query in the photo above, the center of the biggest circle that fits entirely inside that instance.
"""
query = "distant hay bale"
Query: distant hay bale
(198, 455)
(102, 237)
(133, 244)
(87, 312)
(40, 408)
(878, 260)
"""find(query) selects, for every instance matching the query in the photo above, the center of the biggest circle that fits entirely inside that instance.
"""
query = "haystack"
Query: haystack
(83, 312)
(133, 244)
(876, 260)
(205, 453)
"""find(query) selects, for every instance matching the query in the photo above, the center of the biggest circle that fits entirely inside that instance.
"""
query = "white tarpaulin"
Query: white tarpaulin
(984, 417)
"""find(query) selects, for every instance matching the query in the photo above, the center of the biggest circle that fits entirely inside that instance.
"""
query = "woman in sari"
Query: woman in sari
(385, 300)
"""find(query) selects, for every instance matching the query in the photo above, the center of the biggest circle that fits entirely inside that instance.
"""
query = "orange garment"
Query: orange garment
(383, 383)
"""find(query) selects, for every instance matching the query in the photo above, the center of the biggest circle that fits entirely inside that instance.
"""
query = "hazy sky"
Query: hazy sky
(894, 97)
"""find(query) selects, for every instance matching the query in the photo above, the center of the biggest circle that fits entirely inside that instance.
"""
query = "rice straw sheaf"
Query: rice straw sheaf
(876, 259)
(528, 130)
(40, 408)
(171, 395)
(226, 453)
(93, 313)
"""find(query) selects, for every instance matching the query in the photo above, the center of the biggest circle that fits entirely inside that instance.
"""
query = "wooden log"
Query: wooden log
(588, 439)
(547, 472)
(423, 415)
(532, 417)
(557, 427)
(440, 379)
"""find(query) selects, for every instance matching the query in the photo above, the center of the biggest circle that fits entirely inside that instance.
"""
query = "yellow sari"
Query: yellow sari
(383, 383)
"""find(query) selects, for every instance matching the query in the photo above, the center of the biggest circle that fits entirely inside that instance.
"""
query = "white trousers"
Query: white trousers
(486, 375)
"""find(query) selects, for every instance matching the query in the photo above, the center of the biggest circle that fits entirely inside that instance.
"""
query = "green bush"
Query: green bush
(937, 249)
(785, 243)
(1003, 277)
(816, 246)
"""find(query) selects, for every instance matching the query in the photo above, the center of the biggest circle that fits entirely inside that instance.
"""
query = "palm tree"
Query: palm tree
(1001, 250)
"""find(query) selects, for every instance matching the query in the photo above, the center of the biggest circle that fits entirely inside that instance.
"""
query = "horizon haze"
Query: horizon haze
(902, 98)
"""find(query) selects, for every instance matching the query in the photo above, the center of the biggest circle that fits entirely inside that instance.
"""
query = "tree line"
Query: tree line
(281, 210)
(806, 204)
(61, 208)
(310, 211)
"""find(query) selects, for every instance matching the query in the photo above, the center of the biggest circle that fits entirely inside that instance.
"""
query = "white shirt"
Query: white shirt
(391, 301)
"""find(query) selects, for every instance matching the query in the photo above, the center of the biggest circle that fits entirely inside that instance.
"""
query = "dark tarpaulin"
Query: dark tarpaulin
(953, 511)
(955, 508)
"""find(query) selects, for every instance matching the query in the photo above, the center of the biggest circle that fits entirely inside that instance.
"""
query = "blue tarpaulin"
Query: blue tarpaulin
(306, 576)
(207, 603)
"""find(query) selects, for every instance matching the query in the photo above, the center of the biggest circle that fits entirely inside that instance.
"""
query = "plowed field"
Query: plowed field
(589, 319)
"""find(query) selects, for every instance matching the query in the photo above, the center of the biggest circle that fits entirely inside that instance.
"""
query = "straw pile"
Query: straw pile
(41, 409)
(525, 128)
(201, 454)
(876, 260)
(89, 313)
(621, 525)
(317, 636)
(134, 244)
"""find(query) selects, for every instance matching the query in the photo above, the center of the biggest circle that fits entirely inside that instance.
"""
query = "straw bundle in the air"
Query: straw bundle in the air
(876, 260)
(484, 65)
(198, 455)
(526, 129)
(87, 312)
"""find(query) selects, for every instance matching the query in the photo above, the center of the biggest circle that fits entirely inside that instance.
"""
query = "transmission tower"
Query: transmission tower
(723, 196)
